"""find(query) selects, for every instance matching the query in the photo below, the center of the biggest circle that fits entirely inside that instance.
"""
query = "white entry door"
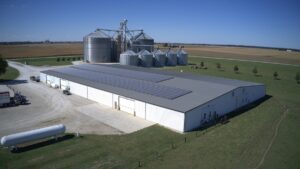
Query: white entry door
(127, 105)
(64, 84)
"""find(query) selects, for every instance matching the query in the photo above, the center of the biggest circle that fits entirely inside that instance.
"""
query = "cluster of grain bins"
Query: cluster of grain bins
(157, 58)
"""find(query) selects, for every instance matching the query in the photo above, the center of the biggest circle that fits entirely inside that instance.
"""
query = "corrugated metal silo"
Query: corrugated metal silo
(146, 58)
(159, 58)
(182, 57)
(171, 58)
(98, 47)
(142, 41)
(129, 58)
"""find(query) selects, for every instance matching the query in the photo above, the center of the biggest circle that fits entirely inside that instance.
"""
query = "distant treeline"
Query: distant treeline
(172, 45)
(40, 42)
(223, 45)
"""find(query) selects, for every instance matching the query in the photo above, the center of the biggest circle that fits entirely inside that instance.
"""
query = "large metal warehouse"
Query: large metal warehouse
(179, 101)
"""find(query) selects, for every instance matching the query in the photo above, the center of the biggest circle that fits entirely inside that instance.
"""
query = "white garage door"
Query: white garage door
(64, 84)
(127, 105)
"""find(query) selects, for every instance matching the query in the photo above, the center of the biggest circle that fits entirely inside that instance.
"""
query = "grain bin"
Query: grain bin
(142, 41)
(129, 58)
(98, 47)
(159, 58)
(145, 58)
(171, 57)
(182, 57)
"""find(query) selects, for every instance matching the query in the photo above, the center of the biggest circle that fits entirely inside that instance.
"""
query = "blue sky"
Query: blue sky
(253, 22)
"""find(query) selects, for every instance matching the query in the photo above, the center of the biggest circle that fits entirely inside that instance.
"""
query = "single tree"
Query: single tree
(202, 64)
(254, 71)
(236, 68)
(74, 59)
(57, 59)
(63, 59)
(218, 65)
(68, 59)
(297, 77)
(275, 75)
(78, 58)
(3, 65)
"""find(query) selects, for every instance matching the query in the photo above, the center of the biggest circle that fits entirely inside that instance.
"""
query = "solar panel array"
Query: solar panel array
(98, 78)
(151, 77)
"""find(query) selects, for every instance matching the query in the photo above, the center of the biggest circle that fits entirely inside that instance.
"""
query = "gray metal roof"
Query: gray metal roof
(190, 91)
(145, 76)
(97, 79)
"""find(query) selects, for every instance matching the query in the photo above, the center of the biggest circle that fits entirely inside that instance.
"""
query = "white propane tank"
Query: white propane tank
(23, 137)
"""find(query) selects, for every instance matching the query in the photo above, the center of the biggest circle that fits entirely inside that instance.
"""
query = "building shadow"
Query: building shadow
(12, 82)
(226, 118)
(42, 143)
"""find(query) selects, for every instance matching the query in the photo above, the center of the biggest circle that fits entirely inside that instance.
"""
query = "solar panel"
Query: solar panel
(152, 77)
(87, 77)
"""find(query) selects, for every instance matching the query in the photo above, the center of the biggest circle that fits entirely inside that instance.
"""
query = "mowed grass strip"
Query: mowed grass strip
(240, 143)
(10, 74)
(49, 61)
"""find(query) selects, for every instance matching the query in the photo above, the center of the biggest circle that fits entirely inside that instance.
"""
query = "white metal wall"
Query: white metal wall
(43, 77)
(100, 96)
(166, 117)
(78, 89)
(223, 105)
(50, 79)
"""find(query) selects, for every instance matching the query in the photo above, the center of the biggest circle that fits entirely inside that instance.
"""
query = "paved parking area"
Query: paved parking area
(117, 119)
(49, 106)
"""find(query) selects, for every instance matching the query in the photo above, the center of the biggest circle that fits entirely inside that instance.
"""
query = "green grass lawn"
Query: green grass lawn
(49, 61)
(10, 74)
(240, 143)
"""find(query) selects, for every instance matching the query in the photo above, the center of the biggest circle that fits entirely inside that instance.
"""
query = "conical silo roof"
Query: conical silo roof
(181, 51)
(142, 36)
(158, 52)
(144, 52)
(170, 51)
(129, 52)
(98, 34)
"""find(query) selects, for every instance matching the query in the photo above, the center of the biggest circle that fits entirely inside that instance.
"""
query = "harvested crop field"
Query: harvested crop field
(257, 54)
(38, 50)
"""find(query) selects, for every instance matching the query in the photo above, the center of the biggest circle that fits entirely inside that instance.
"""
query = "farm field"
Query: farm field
(39, 50)
(49, 61)
(255, 54)
(265, 136)
(267, 55)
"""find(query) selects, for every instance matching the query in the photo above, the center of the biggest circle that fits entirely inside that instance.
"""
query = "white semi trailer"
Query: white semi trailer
(4, 95)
